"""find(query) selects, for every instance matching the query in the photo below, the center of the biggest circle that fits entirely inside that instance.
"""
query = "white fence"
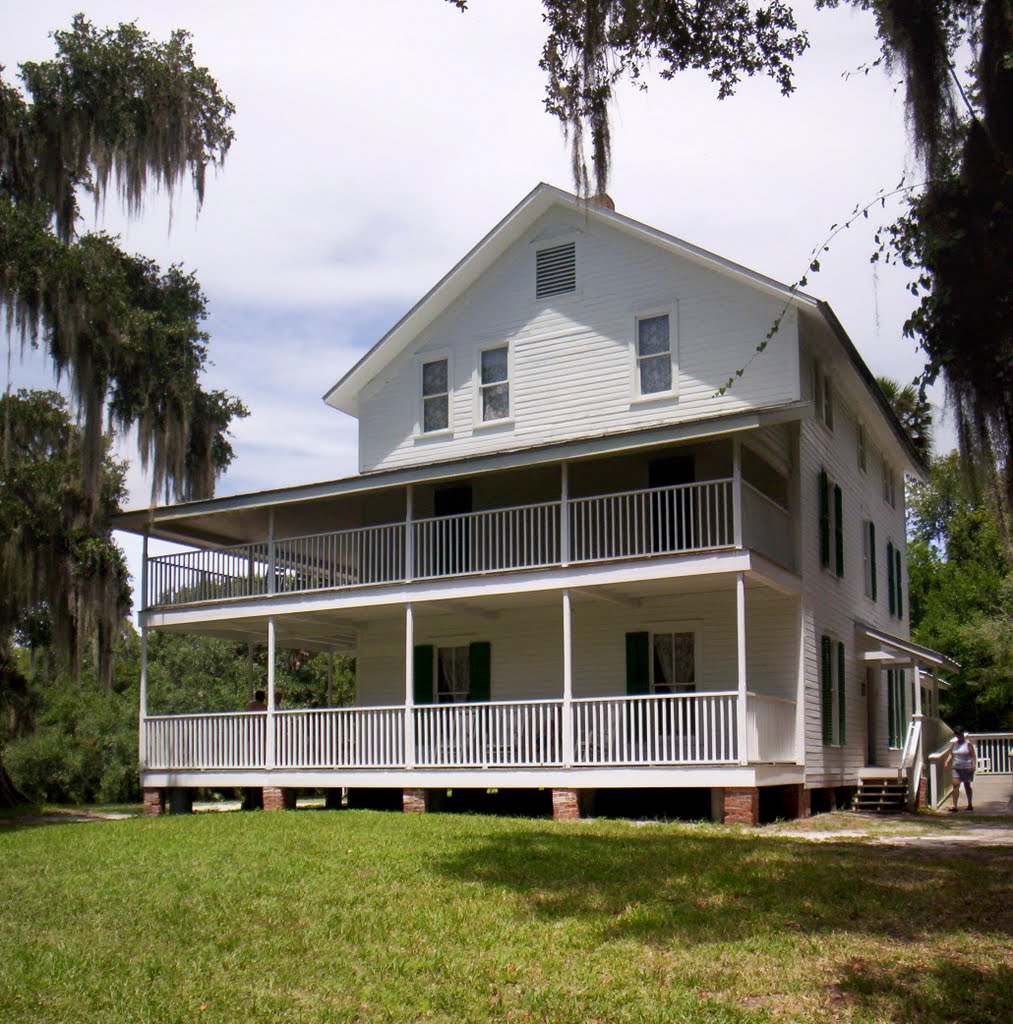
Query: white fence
(995, 752)
(662, 729)
(696, 728)
(631, 524)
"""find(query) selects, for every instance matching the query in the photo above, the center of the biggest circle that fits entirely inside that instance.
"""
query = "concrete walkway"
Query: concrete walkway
(993, 794)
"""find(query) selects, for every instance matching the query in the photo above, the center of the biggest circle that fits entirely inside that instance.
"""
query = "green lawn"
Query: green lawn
(360, 916)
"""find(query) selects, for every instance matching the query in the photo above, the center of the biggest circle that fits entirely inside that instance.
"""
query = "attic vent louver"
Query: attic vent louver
(556, 270)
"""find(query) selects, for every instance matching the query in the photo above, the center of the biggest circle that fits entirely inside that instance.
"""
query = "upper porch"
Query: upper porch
(695, 497)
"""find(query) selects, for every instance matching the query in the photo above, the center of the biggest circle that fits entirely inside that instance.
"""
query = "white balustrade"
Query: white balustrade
(767, 526)
(658, 520)
(523, 537)
(500, 734)
(226, 741)
(770, 728)
(658, 729)
(690, 728)
(208, 574)
(340, 738)
(344, 558)
(995, 752)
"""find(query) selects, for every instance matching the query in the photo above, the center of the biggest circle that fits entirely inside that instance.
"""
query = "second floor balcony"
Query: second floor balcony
(724, 513)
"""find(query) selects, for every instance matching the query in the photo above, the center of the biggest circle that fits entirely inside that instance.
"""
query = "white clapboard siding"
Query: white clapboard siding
(571, 356)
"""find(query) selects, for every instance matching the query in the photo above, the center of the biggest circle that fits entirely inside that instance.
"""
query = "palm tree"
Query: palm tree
(913, 410)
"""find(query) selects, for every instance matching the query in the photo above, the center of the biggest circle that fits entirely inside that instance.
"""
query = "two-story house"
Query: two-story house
(573, 562)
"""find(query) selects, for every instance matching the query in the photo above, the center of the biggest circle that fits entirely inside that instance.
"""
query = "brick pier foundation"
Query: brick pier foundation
(415, 801)
(565, 804)
(278, 799)
(741, 805)
(154, 801)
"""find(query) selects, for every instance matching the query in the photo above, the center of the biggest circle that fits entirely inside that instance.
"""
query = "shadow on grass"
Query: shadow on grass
(944, 991)
(667, 889)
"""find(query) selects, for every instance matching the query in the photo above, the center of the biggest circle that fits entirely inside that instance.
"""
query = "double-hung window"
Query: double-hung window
(831, 524)
(833, 691)
(869, 558)
(453, 676)
(863, 458)
(673, 658)
(435, 395)
(494, 383)
(823, 396)
(889, 485)
(654, 354)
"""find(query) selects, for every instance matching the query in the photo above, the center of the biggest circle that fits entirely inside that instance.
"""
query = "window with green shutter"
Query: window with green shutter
(826, 690)
(891, 708)
(638, 670)
(891, 593)
(841, 694)
(824, 504)
(480, 666)
(872, 561)
(423, 673)
(899, 601)
(838, 530)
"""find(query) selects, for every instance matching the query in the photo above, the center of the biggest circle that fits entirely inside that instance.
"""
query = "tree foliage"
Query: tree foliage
(913, 410)
(114, 109)
(961, 592)
(594, 45)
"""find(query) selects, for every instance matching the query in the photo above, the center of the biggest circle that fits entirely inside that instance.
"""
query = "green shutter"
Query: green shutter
(826, 691)
(638, 676)
(423, 670)
(839, 530)
(898, 585)
(824, 497)
(872, 558)
(480, 671)
(891, 708)
(891, 593)
(841, 695)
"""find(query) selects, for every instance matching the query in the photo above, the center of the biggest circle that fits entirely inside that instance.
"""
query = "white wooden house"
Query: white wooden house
(572, 562)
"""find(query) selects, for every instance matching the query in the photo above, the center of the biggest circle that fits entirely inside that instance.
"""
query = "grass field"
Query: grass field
(367, 917)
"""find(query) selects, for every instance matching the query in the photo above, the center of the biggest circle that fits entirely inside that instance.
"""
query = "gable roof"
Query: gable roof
(345, 394)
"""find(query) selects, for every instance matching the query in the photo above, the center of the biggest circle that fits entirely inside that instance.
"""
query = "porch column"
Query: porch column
(800, 688)
(916, 669)
(567, 682)
(142, 753)
(409, 686)
(740, 664)
(737, 490)
(142, 747)
(409, 538)
(269, 739)
(564, 514)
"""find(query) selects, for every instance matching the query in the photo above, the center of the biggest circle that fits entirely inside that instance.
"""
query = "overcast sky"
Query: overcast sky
(377, 142)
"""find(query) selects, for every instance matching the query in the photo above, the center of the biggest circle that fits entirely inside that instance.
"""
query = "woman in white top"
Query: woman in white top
(964, 758)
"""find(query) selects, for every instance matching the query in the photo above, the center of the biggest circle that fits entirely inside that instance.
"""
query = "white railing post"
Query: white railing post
(916, 669)
(567, 681)
(409, 540)
(271, 561)
(142, 747)
(144, 572)
(269, 751)
(740, 664)
(409, 686)
(564, 514)
(737, 490)
(800, 688)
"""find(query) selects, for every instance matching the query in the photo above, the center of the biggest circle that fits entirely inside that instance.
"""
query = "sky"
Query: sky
(377, 142)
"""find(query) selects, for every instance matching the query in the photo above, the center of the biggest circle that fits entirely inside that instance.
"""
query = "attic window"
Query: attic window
(556, 270)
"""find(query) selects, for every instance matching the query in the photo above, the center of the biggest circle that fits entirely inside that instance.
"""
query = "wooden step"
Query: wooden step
(881, 795)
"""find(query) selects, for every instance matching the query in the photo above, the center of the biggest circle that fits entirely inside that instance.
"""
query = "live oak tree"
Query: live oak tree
(113, 112)
(956, 59)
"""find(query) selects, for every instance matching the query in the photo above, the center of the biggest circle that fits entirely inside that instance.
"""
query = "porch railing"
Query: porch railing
(995, 752)
(632, 524)
(661, 729)
(766, 526)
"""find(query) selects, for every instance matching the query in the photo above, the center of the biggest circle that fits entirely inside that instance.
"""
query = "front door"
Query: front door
(672, 517)
(453, 534)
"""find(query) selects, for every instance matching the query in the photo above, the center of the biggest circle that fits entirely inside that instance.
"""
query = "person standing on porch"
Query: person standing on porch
(965, 759)
(257, 704)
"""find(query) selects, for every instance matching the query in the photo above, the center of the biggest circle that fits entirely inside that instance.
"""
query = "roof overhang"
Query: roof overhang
(204, 522)
(345, 394)
(887, 649)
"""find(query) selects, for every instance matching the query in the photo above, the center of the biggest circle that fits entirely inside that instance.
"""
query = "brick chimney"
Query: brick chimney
(604, 200)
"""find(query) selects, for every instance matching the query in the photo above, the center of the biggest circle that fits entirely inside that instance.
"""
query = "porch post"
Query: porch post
(564, 514)
(916, 668)
(800, 688)
(737, 490)
(271, 558)
(567, 681)
(142, 752)
(409, 539)
(409, 685)
(142, 747)
(740, 664)
(269, 739)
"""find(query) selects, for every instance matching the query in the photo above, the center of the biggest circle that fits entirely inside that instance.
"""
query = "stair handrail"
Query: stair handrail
(940, 782)
(911, 759)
